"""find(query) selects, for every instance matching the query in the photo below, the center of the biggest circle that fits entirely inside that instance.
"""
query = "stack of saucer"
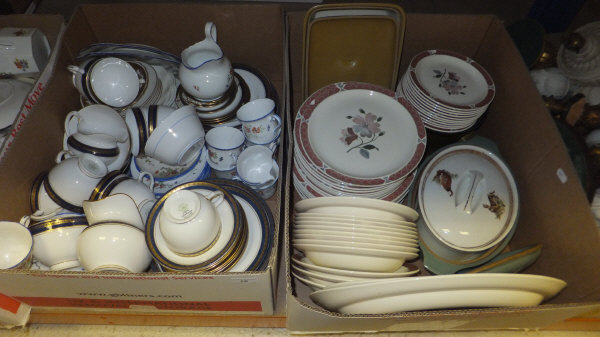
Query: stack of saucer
(450, 91)
(348, 238)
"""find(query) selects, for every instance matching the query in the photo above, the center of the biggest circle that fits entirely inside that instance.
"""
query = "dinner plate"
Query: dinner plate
(261, 226)
(344, 226)
(356, 232)
(349, 237)
(352, 218)
(233, 228)
(438, 292)
(357, 206)
(403, 271)
(400, 248)
(307, 217)
(452, 79)
(370, 122)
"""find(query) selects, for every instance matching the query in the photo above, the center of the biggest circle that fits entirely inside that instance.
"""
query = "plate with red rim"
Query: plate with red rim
(344, 128)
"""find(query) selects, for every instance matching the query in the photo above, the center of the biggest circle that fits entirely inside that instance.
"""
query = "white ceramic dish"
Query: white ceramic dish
(363, 259)
(468, 198)
(12, 96)
(343, 237)
(383, 122)
(352, 218)
(357, 206)
(408, 226)
(306, 264)
(399, 248)
(350, 227)
(438, 292)
(355, 233)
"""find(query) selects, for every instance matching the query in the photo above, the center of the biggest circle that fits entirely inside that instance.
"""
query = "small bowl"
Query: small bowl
(55, 242)
(16, 245)
(362, 259)
(114, 82)
(126, 251)
(256, 167)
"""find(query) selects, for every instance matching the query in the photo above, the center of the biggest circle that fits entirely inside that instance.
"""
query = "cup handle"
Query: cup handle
(277, 120)
(75, 70)
(149, 181)
(210, 31)
(25, 221)
(62, 155)
(215, 197)
(68, 127)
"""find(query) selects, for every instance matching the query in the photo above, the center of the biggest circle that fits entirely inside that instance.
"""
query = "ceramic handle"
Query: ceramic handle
(215, 197)
(147, 179)
(210, 31)
(470, 191)
(75, 70)
(62, 155)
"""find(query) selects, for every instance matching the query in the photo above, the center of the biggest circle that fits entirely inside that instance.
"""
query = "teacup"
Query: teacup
(23, 51)
(256, 166)
(224, 144)
(126, 251)
(142, 122)
(55, 241)
(189, 221)
(73, 180)
(16, 245)
(271, 145)
(40, 202)
(260, 122)
(178, 138)
(266, 190)
(100, 145)
(118, 207)
(114, 82)
(95, 119)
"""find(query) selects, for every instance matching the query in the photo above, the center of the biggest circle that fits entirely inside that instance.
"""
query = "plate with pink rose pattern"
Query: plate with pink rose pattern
(360, 134)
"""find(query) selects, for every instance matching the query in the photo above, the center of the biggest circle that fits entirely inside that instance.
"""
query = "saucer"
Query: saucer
(233, 228)
(261, 226)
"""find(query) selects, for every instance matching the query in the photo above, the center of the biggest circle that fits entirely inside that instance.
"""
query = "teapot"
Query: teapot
(205, 72)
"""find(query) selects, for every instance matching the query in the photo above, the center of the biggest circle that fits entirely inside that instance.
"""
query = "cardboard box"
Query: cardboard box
(555, 211)
(53, 27)
(249, 34)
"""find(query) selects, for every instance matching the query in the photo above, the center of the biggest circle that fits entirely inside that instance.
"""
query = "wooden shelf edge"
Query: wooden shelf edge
(155, 319)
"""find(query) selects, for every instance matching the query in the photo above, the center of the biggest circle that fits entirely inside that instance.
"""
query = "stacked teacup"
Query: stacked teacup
(260, 123)
(341, 239)
(168, 143)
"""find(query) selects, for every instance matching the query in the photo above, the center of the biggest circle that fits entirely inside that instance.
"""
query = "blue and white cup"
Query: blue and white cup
(224, 144)
(260, 122)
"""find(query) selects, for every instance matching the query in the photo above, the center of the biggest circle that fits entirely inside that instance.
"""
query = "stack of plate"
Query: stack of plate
(356, 139)
(346, 239)
(244, 241)
(438, 292)
(449, 90)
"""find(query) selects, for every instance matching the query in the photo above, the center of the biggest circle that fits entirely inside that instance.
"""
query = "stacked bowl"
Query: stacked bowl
(449, 90)
(351, 238)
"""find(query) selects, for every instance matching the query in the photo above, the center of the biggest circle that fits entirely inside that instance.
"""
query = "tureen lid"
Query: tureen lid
(468, 198)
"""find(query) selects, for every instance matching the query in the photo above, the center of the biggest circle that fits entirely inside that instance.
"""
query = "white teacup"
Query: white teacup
(142, 122)
(114, 82)
(100, 145)
(260, 122)
(97, 118)
(118, 207)
(256, 166)
(126, 251)
(189, 221)
(179, 137)
(224, 144)
(271, 145)
(55, 241)
(23, 51)
(73, 180)
(16, 245)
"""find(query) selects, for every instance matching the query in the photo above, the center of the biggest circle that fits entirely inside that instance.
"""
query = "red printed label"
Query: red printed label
(9, 304)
